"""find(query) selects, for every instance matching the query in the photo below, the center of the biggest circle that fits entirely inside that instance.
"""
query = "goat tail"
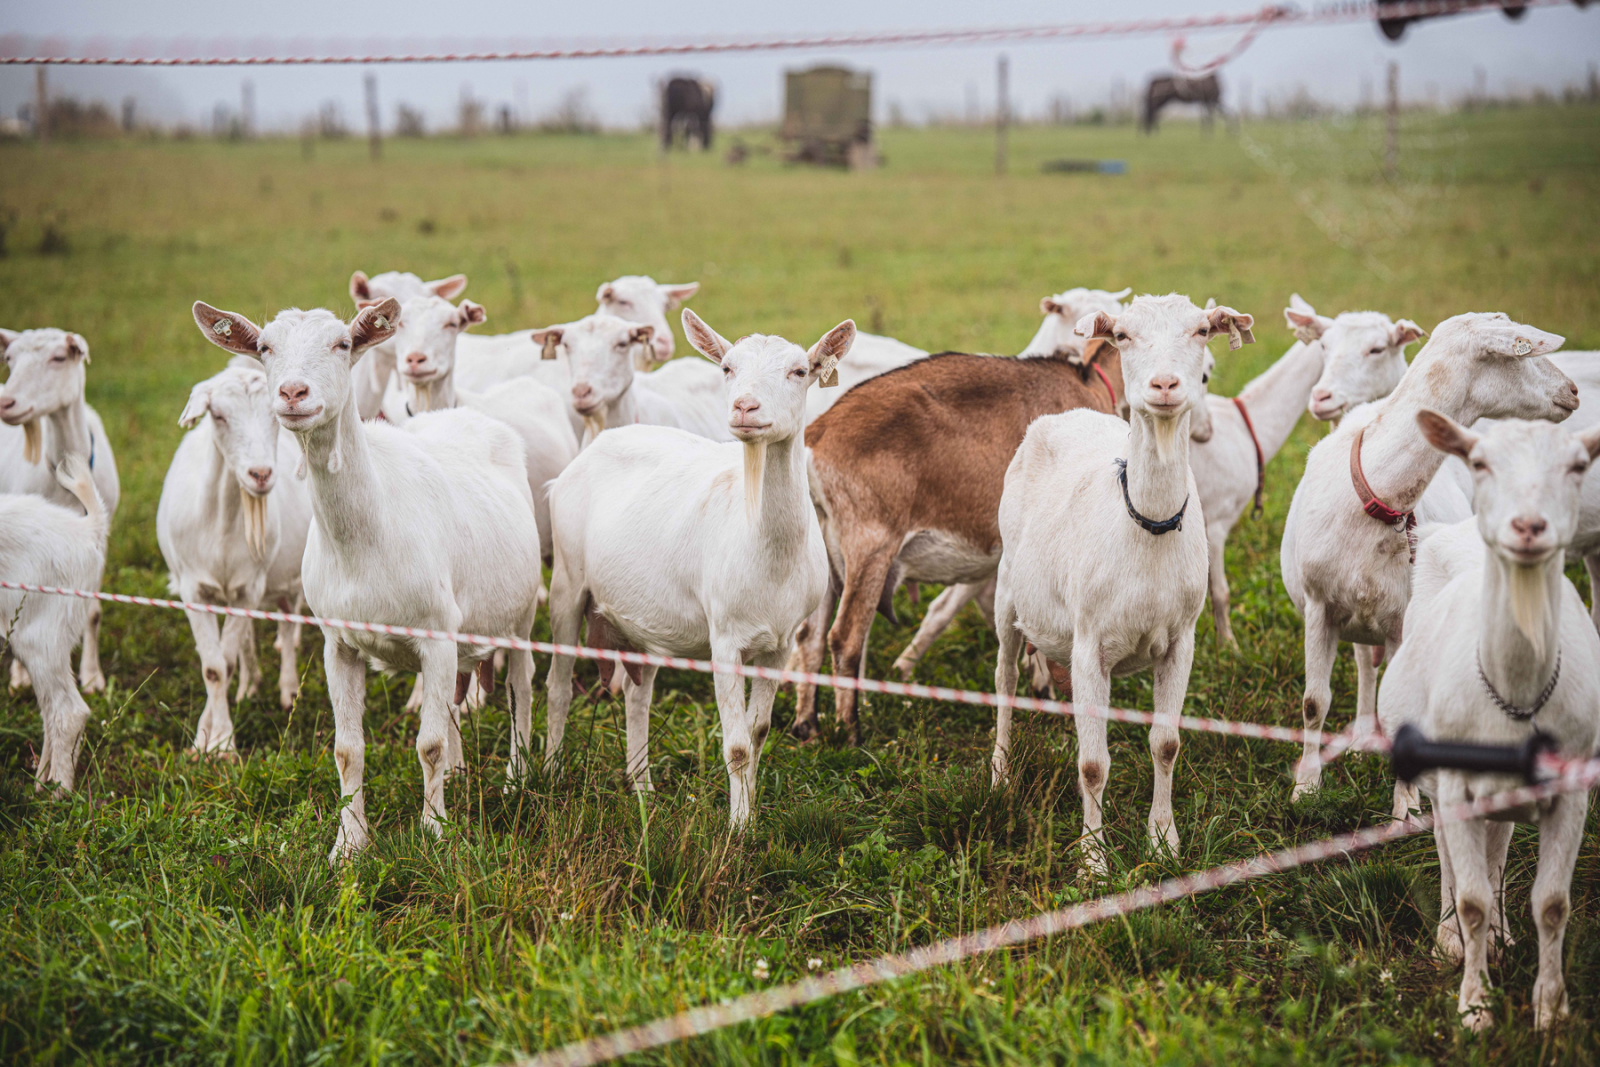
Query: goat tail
(74, 476)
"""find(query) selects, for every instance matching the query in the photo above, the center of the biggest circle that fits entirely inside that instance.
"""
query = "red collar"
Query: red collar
(1400, 520)
(1261, 462)
(1104, 377)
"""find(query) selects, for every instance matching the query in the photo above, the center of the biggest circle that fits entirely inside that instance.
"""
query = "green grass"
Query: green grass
(180, 911)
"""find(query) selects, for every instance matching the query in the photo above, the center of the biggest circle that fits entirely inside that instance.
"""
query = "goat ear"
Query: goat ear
(77, 346)
(374, 325)
(1122, 294)
(1307, 325)
(1404, 332)
(1050, 306)
(604, 294)
(198, 406)
(1237, 323)
(642, 335)
(449, 288)
(359, 289)
(6, 337)
(1096, 325)
(677, 294)
(829, 350)
(1591, 441)
(1445, 434)
(1519, 341)
(469, 314)
(548, 340)
(227, 330)
(704, 339)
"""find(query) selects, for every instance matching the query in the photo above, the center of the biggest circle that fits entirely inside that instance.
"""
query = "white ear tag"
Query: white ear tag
(380, 321)
(1521, 347)
(1305, 335)
(222, 328)
(1234, 341)
(549, 349)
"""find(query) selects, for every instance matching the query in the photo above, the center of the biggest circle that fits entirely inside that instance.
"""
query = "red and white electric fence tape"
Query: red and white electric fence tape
(1575, 776)
(1270, 15)
(1335, 743)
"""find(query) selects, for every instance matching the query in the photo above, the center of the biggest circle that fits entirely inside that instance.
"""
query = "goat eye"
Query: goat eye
(1479, 465)
(1376, 351)
(1121, 336)
(1205, 378)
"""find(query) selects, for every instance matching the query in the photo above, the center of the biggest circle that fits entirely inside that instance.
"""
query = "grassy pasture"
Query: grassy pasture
(175, 911)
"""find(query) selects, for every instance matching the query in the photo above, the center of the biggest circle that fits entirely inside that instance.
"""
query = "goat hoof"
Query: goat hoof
(803, 730)
(96, 684)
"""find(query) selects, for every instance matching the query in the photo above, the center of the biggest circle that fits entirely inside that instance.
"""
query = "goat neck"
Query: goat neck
(69, 432)
(223, 488)
(785, 502)
(1517, 665)
(1158, 466)
(344, 484)
(1277, 398)
(1396, 459)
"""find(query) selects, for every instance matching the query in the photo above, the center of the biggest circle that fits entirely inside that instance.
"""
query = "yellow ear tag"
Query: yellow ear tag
(222, 328)
(830, 373)
(1234, 341)
(1305, 335)
(1521, 347)
(549, 350)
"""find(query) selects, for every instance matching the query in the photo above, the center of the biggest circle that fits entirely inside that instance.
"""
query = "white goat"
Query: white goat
(1497, 648)
(46, 418)
(1245, 433)
(600, 356)
(1348, 569)
(232, 529)
(370, 376)
(1108, 595)
(43, 543)
(446, 496)
(687, 547)
(425, 345)
(640, 298)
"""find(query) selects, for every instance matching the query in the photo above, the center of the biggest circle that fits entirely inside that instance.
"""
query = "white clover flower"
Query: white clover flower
(813, 963)
(1386, 975)
(566, 916)
(760, 970)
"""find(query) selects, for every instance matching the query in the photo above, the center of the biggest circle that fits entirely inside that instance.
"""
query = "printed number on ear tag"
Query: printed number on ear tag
(1521, 347)
(222, 327)
(830, 374)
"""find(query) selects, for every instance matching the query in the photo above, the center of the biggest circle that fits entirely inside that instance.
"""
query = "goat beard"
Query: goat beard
(1530, 596)
(421, 397)
(755, 465)
(593, 426)
(1165, 433)
(32, 441)
(255, 523)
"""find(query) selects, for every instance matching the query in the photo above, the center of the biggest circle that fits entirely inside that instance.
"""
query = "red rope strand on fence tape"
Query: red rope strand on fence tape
(1577, 775)
(837, 681)
(1271, 15)
(1178, 43)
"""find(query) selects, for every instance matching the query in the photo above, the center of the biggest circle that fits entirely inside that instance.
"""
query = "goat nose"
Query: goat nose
(1528, 527)
(294, 392)
(582, 391)
(260, 475)
(746, 404)
(1166, 383)
(7, 403)
(1321, 395)
(415, 360)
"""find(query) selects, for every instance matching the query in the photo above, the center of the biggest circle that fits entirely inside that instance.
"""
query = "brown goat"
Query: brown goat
(906, 472)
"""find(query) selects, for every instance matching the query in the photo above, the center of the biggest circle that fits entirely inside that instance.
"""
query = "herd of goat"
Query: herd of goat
(761, 505)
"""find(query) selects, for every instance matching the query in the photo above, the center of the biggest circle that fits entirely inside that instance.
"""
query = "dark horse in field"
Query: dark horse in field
(1165, 89)
(686, 105)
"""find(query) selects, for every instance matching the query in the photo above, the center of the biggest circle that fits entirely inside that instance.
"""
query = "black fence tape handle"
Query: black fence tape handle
(1412, 753)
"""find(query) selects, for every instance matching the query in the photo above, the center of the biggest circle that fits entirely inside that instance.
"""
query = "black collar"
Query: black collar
(1511, 710)
(1150, 525)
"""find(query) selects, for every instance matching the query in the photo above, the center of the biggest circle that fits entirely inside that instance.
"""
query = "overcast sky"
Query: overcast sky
(1549, 48)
